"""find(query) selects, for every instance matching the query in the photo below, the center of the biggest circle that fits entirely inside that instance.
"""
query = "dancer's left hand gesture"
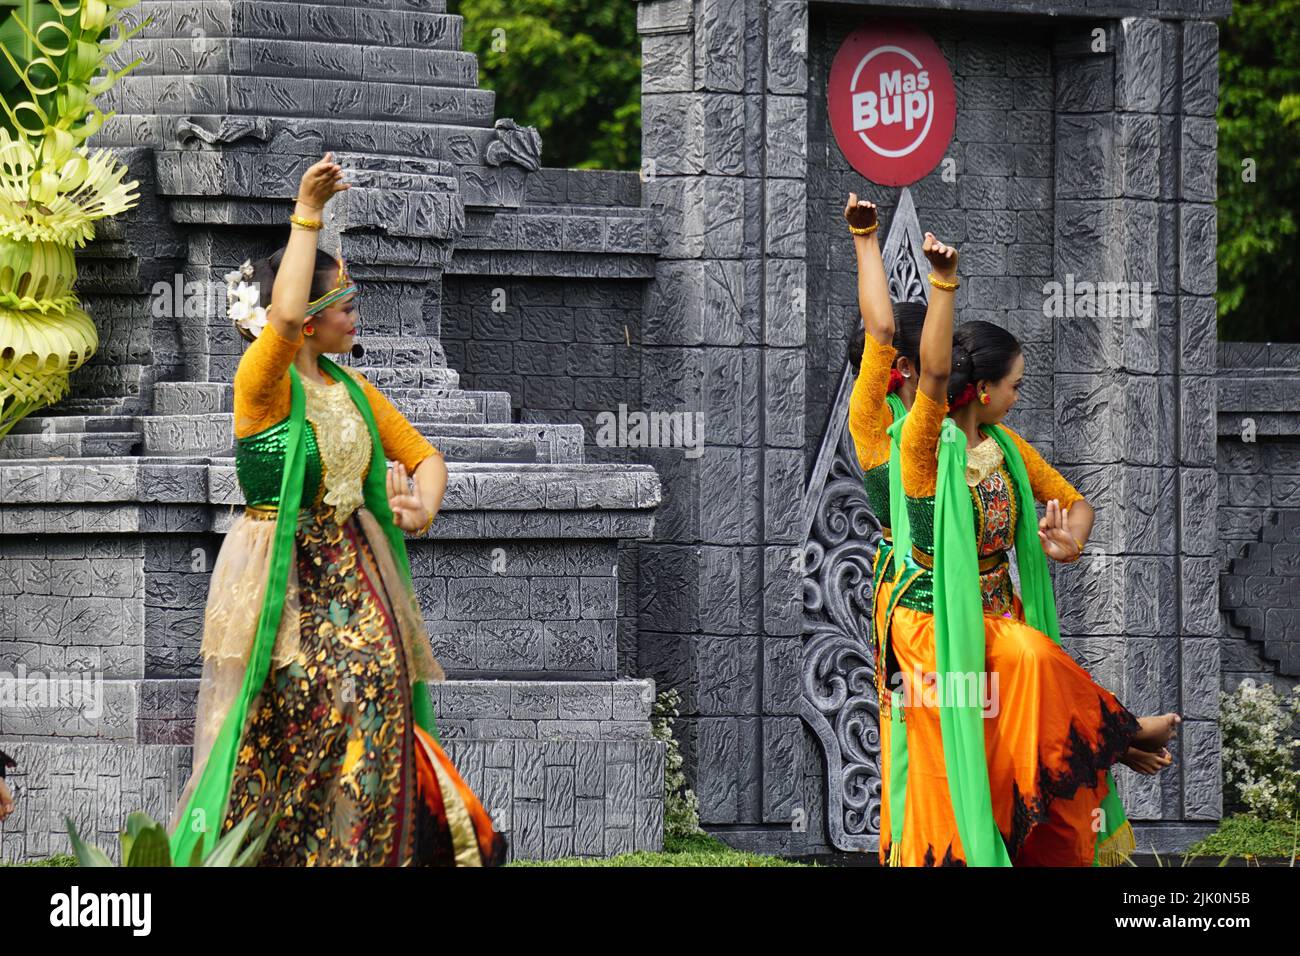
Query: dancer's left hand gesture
(1054, 531)
(409, 512)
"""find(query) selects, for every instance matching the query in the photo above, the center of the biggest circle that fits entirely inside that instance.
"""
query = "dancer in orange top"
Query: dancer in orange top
(1051, 732)
(884, 352)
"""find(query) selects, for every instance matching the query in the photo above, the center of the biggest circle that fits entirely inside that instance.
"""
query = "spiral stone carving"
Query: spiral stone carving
(839, 694)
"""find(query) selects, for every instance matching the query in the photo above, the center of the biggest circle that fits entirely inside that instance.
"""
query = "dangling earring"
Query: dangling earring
(308, 329)
(984, 397)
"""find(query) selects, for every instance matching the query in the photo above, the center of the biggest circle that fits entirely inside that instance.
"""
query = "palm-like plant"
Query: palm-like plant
(52, 188)
(145, 843)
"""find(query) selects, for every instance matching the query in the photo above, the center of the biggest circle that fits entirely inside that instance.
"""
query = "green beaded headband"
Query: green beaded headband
(344, 288)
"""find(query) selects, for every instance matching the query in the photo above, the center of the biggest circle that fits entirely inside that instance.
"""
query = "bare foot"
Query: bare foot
(1156, 732)
(1145, 762)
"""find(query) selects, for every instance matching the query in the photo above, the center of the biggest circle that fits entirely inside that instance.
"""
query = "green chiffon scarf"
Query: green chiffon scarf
(960, 642)
(200, 824)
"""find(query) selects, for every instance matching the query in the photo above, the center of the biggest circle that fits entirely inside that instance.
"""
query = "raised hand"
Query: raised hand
(943, 258)
(1059, 543)
(409, 513)
(321, 181)
(860, 213)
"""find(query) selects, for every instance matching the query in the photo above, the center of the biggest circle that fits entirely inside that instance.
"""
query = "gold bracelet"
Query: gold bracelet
(942, 284)
(305, 222)
(427, 525)
(1078, 554)
(864, 230)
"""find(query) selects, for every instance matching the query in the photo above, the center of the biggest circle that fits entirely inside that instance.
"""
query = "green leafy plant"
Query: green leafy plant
(1259, 749)
(1259, 171)
(589, 112)
(681, 806)
(52, 188)
(145, 843)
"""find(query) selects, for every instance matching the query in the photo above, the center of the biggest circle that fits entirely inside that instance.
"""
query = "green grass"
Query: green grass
(697, 850)
(65, 860)
(1247, 835)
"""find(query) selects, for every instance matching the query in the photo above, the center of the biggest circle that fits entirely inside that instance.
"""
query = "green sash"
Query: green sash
(960, 639)
(959, 651)
(200, 825)
(891, 564)
(1039, 602)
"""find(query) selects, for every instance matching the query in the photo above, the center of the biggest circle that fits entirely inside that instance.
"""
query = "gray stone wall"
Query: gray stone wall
(1070, 159)
(1258, 387)
(562, 353)
(995, 201)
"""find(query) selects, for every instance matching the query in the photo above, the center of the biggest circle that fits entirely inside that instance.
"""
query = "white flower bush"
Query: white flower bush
(1259, 748)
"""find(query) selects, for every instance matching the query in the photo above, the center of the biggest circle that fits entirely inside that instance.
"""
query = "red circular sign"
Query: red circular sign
(892, 103)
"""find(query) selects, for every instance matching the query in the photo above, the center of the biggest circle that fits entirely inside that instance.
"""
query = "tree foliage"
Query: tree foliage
(571, 68)
(1259, 123)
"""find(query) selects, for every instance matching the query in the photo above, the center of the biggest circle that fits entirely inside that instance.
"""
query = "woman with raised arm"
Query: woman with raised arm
(1008, 740)
(313, 710)
(884, 352)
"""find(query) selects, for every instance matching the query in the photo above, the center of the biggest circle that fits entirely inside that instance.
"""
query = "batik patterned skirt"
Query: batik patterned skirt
(330, 743)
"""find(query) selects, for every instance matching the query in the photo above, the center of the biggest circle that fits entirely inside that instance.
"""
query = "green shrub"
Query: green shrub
(681, 806)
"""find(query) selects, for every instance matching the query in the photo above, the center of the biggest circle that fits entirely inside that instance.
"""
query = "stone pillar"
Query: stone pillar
(1134, 396)
(724, 149)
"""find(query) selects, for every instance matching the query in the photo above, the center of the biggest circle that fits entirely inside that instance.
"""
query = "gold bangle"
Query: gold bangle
(942, 284)
(427, 525)
(1078, 554)
(305, 222)
(864, 230)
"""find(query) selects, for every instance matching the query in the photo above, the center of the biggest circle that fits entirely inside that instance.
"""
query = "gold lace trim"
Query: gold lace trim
(982, 461)
(344, 444)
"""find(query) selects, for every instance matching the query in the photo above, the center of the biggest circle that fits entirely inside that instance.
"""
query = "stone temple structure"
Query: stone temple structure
(511, 308)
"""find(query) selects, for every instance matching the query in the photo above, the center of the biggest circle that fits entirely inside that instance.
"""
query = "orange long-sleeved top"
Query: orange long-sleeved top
(869, 412)
(262, 398)
(920, 463)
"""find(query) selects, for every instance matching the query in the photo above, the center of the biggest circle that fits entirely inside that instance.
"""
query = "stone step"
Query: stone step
(68, 444)
(434, 64)
(412, 401)
(502, 442)
(397, 351)
(76, 423)
(446, 142)
(448, 430)
(373, 102)
(214, 434)
(419, 24)
(385, 377)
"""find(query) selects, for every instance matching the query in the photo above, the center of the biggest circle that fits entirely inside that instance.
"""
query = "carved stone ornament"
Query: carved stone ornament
(840, 537)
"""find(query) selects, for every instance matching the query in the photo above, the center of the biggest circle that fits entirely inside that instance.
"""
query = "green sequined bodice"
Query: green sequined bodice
(259, 464)
(876, 483)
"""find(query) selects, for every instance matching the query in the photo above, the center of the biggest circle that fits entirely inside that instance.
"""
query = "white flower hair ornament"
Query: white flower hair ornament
(243, 300)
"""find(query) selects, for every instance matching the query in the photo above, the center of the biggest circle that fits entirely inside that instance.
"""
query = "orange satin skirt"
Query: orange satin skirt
(1051, 733)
